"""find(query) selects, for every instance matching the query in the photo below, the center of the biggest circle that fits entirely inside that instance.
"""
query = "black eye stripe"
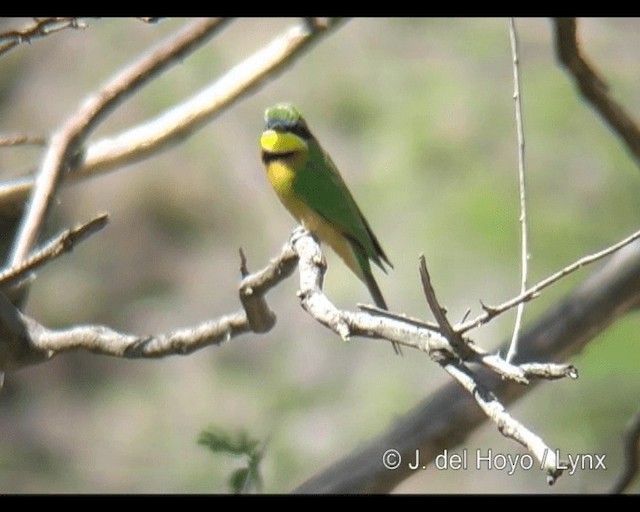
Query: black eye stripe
(299, 129)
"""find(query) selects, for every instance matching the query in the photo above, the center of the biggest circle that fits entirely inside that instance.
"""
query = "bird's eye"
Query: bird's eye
(301, 130)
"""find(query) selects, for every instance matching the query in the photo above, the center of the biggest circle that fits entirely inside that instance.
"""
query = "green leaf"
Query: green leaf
(238, 480)
(236, 444)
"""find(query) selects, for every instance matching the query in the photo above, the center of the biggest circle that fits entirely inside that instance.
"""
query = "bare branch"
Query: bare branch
(466, 350)
(41, 27)
(398, 329)
(399, 316)
(25, 341)
(67, 141)
(439, 313)
(492, 311)
(524, 237)
(593, 87)
(452, 362)
(174, 125)
(549, 371)
(347, 323)
(64, 242)
(181, 121)
(253, 288)
(507, 425)
(449, 414)
(22, 140)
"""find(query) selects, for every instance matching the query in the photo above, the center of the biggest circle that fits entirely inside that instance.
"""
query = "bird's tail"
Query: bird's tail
(377, 297)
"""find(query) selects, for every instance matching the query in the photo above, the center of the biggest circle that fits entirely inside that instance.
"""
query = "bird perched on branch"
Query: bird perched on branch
(309, 185)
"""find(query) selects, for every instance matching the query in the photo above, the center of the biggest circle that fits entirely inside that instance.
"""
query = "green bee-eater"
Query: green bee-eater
(309, 185)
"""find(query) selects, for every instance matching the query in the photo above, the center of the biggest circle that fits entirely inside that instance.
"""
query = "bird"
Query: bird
(310, 187)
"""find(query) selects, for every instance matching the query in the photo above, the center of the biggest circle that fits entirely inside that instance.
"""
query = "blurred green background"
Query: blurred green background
(419, 116)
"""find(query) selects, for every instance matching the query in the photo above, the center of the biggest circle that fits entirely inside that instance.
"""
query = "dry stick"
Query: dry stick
(398, 329)
(22, 140)
(524, 237)
(254, 287)
(106, 341)
(492, 311)
(181, 121)
(26, 342)
(399, 316)
(452, 364)
(595, 91)
(458, 344)
(507, 425)
(449, 414)
(346, 324)
(631, 454)
(41, 28)
(64, 242)
(67, 140)
(593, 87)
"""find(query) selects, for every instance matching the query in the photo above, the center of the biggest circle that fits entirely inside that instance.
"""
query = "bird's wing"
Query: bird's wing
(320, 185)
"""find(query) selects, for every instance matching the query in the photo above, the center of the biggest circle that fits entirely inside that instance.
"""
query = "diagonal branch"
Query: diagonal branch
(453, 364)
(41, 27)
(22, 139)
(492, 311)
(449, 415)
(186, 118)
(64, 242)
(508, 426)
(67, 141)
(24, 341)
(593, 87)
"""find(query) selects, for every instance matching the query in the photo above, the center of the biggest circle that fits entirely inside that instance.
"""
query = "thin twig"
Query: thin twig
(493, 311)
(466, 350)
(40, 28)
(399, 316)
(64, 242)
(524, 237)
(22, 140)
(67, 141)
(439, 313)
